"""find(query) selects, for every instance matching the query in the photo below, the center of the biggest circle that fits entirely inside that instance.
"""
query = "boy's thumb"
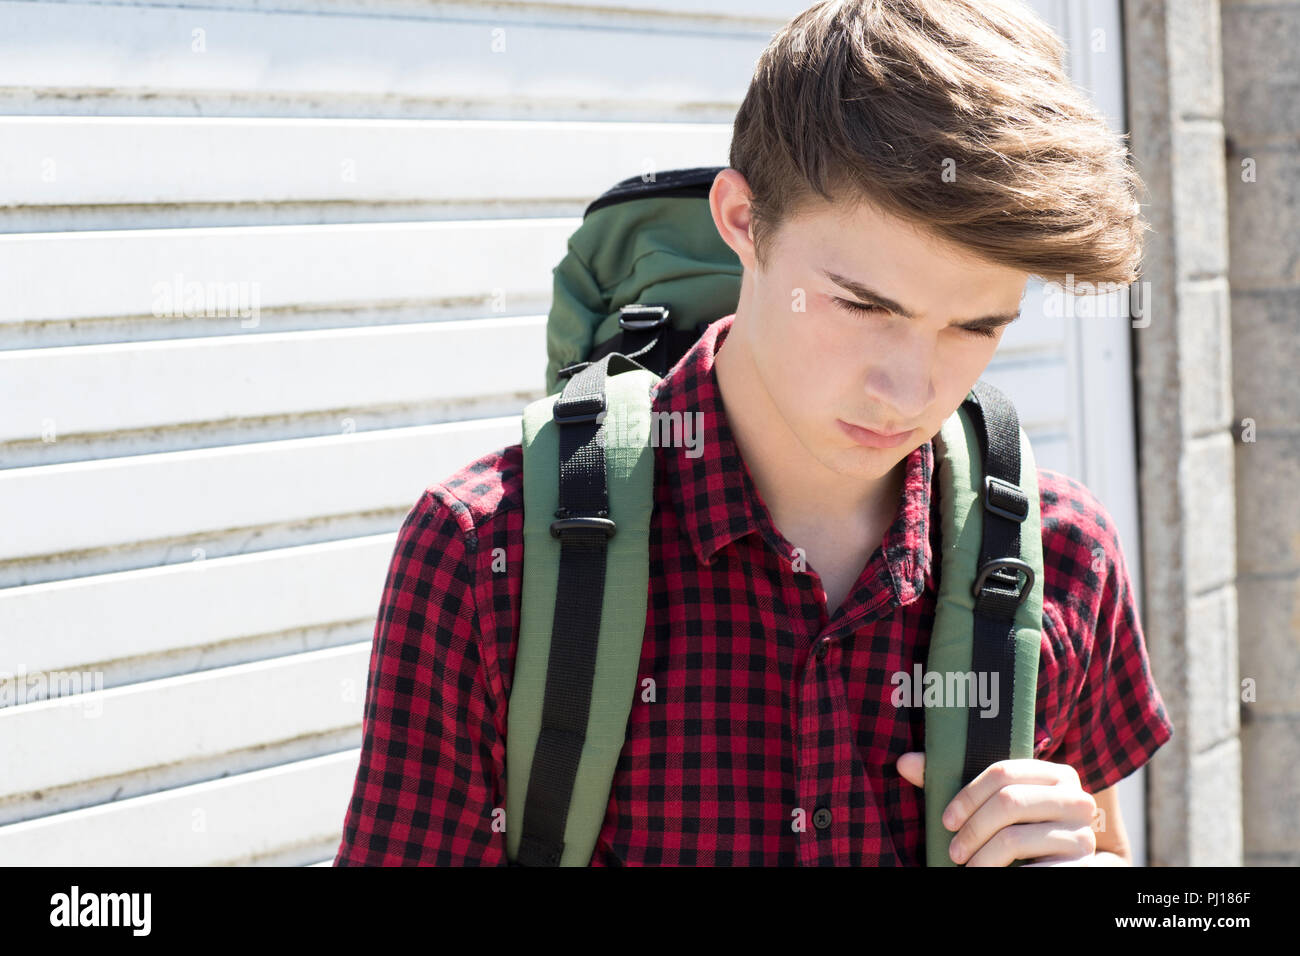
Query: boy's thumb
(911, 766)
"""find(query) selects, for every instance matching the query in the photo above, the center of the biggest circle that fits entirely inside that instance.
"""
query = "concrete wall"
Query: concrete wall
(1215, 117)
(1261, 89)
(1186, 453)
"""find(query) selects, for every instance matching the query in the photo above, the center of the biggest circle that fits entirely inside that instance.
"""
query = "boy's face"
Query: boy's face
(815, 362)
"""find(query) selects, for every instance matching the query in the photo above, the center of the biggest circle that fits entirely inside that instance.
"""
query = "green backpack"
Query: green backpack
(588, 500)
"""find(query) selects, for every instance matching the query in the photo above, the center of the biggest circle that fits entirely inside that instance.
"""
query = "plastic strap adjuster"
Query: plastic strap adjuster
(570, 370)
(642, 317)
(584, 410)
(589, 523)
(996, 565)
(1001, 497)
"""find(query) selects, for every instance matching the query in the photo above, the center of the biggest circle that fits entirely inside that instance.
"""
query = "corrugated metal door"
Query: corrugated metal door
(253, 261)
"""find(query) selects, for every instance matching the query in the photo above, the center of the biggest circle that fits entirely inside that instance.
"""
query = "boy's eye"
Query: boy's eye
(849, 305)
(856, 306)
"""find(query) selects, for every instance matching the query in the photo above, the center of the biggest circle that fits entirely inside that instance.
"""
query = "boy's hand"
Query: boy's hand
(1017, 810)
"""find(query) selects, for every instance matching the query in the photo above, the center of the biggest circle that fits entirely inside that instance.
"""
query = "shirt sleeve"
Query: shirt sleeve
(1118, 719)
(429, 786)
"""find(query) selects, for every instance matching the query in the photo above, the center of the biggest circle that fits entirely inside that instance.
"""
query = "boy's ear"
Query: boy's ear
(732, 216)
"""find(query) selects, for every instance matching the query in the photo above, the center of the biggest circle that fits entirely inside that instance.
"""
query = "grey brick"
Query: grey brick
(1214, 699)
(1264, 216)
(1269, 644)
(1207, 513)
(1195, 71)
(1214, 821)
(1205, 347)
(1271, 791)
(1261, 68)
(1265, 355)
(1200, 200)
(1268, 521)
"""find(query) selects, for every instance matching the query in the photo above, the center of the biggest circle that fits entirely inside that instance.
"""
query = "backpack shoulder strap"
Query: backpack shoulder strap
(986, 619)
(588, 496)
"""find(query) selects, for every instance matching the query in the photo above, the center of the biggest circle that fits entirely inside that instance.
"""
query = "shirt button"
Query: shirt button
(821, 650)
(821, 818)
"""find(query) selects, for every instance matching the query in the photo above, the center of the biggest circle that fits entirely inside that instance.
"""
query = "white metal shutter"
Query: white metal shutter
(247, 256)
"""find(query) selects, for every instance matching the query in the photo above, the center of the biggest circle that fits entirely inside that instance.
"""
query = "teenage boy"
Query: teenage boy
(899, 170)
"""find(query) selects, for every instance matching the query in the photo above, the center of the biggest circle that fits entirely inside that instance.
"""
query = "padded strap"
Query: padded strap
(575, 680)
(994, 633)
(997, 588)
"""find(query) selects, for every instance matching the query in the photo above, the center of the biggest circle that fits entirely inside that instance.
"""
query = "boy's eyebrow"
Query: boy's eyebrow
(872, 297)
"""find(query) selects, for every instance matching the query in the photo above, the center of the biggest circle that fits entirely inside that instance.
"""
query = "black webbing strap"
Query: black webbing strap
(583, 526)
(997, 589)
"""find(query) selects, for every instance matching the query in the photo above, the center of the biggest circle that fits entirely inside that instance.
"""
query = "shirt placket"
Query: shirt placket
(825, 758)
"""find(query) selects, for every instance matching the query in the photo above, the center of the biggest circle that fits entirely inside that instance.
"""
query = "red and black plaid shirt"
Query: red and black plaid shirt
(748, 724)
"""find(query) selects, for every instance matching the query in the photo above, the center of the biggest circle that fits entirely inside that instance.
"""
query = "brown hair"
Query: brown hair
(872, 100)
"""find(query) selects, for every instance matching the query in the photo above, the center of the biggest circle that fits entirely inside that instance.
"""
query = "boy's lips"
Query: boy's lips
(872, 438)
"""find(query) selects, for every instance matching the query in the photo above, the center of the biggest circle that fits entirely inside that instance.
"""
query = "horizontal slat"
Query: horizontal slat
(75, 160)
(779, 10)
(1036, 387)
(106, 733)
(1052, 450)
(50, 509)
(107, 617)
(148, 497)
(206, 824)
(146, 271)
(1034, 330)
(191, 380)
(154, 50)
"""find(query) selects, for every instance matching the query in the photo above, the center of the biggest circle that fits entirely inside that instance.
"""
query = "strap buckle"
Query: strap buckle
(588, 522)
(996, 565)
(585, 410)
(569, 370)
(1007, 496)
(638, 317)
